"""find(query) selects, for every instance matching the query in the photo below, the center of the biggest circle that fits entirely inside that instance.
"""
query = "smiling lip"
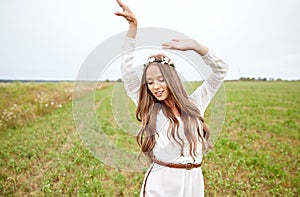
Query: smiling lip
(159, 93)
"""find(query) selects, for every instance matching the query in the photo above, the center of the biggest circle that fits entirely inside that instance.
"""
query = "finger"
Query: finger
(120, 3)
(119, 14)
(168, 47)
(165, 46)
(169, 44)
(174, 41)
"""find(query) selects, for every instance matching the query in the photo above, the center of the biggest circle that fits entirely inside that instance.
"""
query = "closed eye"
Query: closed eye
(149, 82)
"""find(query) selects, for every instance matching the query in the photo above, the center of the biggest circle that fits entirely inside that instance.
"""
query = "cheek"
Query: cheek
(167, 92)
(150, 88)
(164, 85)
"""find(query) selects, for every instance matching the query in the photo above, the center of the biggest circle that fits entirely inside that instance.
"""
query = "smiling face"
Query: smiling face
(156, 83)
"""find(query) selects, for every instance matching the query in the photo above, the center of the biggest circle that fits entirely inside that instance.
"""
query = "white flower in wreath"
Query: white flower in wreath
(165, 60)
(152, 59)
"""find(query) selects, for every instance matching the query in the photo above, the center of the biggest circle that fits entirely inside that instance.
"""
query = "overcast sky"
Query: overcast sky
(50, 39)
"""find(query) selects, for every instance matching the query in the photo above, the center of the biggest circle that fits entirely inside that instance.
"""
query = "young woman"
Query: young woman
(173, 133)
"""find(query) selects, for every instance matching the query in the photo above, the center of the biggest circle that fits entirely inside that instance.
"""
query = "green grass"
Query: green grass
(257, 153)
(23, 102)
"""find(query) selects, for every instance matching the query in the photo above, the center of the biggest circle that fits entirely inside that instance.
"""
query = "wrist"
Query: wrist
(132, 30)
(201, 49)
(133, 24)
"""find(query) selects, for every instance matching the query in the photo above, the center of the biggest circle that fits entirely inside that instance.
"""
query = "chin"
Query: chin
(161, 98)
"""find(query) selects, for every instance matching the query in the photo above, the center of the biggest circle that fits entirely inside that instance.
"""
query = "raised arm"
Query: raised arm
(130, 17)
(129, 74)
(203, 94)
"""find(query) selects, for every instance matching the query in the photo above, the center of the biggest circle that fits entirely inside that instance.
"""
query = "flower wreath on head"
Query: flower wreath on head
(162, 60)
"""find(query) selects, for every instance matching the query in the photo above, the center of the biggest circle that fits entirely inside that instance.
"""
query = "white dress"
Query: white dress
(160, 180)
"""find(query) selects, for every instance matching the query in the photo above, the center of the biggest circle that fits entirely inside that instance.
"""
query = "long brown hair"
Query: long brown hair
(148, 107)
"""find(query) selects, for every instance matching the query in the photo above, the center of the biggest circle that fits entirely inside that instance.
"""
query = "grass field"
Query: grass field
(41, 153)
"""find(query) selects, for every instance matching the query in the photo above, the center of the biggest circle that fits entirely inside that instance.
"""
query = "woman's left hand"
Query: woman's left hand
(185, 44)
(127, 14)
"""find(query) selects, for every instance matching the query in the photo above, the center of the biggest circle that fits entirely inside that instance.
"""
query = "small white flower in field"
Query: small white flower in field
(52, 103)
(59, 106)
(38, 96)
(46, 105)
(48, 185)
(35, 100)
(15, 105)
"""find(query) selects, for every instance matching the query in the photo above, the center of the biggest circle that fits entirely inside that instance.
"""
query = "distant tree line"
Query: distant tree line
(118, 80)
(259, 79)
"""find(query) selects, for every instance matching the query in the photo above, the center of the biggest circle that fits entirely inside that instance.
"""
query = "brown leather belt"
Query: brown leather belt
(186, 166)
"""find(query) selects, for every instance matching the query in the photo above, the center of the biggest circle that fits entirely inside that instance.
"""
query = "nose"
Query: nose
(156, 85)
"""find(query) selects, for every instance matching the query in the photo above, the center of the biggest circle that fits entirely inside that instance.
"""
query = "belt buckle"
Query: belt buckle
(188, 166)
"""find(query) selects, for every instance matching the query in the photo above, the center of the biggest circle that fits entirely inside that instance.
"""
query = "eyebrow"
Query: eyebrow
(159, 76)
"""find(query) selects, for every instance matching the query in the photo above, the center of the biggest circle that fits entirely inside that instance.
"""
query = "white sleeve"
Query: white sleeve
(202, 96)
(130, 75)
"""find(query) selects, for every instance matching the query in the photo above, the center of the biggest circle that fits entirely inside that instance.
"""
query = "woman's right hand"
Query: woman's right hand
(127, 14)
